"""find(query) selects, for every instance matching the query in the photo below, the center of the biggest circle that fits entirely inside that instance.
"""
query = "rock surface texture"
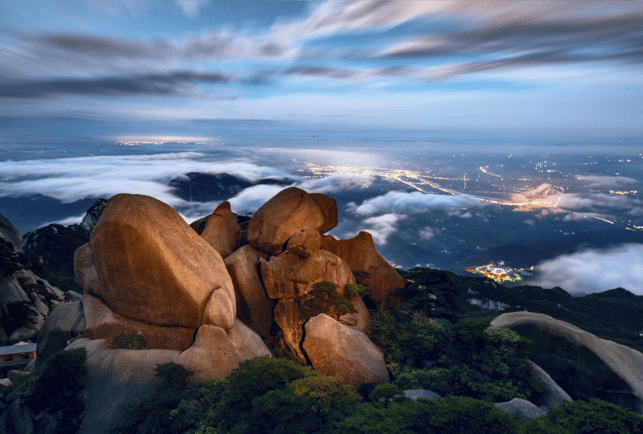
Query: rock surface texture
(146, 255)
(372, 270)
(222, 231)
(337, 350)
(287, 213)
(293, 273)
(582, 364)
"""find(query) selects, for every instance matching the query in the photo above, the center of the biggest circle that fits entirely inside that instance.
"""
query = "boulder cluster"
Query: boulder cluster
(209, 296)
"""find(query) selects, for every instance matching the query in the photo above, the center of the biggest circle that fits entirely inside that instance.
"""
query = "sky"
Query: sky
(108, 67)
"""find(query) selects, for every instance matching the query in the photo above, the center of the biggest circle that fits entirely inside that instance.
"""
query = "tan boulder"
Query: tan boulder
(287, 213)
(288, 316)
(211, 355)
(152, 267)
(293, 273)
(371, 269)
(340, 351)
(247, 342)
(100, 322)
(85, 270)
(584, 365)
(222, 230)
(254, 307)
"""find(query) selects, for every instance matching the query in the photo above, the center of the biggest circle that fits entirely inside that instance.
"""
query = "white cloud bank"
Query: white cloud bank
(594, 270)
(411, 203)
(71, 179)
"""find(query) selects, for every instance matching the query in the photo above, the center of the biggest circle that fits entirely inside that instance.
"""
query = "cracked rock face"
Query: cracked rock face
(150, 266)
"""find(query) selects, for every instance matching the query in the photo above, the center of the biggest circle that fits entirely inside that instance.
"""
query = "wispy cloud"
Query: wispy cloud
(411, 203)
(191, 8)
(380, 227)
(594, 270)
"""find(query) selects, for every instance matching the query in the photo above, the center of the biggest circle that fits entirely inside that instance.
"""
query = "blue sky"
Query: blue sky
(558, 67)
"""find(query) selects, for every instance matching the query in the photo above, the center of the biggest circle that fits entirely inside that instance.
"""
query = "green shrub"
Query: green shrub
(451, 415)
(595, 416)
(129, 342)
(355, 290)
(324, 298)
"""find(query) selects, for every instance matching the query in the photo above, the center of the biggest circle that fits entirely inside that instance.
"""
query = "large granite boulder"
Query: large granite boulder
(222, 231)
(254, 307)
(582, 364)
(287, 213)
(521, 409)
(337, 350)
(153, 268)
(293, 273)
(371, 269)
(211, 355)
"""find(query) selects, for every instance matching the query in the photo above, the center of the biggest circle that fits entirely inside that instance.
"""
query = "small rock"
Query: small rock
(415, 394)
(521, 409)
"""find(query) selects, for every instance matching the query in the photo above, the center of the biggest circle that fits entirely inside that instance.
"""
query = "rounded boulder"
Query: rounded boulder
(152, 267)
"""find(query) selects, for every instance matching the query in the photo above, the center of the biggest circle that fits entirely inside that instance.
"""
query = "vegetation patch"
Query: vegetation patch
(324, 298)
(129, 342)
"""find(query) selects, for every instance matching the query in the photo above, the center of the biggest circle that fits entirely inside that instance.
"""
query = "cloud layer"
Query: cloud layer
(594, 270)
(411, 203)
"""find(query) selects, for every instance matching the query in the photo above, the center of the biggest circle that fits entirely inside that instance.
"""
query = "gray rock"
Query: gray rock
(21, 334)
(554, 394)
(415, 394)
(115, 377)
(5, 382)
(31, 366)
(74, 296)
(63, 324)
(10, 233)
(521, 409)
(13, 375)
(340, 351)
(582, 364)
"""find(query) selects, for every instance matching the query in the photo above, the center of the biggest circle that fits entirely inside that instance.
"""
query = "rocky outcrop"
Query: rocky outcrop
(582, 364)
(145, 255)
(10, 233)
(370, 268)
(286, 214)
(337, 350)
(222, 231)
(93, 215)
(521, 409)
(25, 301)
(293, 273)
(254, 307)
